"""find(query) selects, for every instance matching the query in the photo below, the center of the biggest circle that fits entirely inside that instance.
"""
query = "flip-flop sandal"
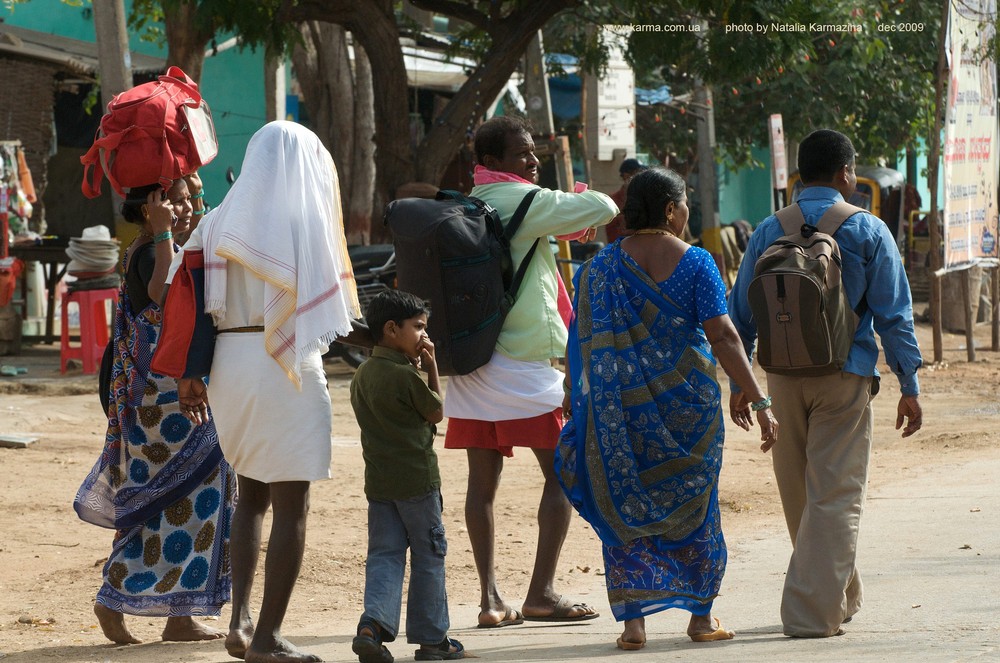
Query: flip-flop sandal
(630, 646)
(442, 652)
(561, 613)
(718, 634)
(510, 618)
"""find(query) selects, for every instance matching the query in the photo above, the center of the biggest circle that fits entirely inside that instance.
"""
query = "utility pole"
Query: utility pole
(711, 228)
(536, 89)
(539, 111)
(274, 87)
(933, 167)
(115, 64)
(112, 48)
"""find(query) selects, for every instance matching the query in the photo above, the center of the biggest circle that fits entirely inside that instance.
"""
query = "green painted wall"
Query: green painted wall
(232, 82)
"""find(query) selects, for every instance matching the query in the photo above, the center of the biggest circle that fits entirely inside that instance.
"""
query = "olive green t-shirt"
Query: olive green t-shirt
(390, 401)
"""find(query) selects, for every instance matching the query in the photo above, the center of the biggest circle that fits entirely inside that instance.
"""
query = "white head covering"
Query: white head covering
(282, 221)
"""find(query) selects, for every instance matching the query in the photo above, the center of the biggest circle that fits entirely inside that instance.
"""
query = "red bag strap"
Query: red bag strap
(176, 76)
(93, 175)
(165, 165)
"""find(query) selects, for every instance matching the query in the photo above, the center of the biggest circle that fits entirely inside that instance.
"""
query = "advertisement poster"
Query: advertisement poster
(970, 157)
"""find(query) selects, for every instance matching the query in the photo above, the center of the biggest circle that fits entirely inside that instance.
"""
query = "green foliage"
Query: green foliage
(10, 4)
(875, 85)
(146, 19)
(255, 22)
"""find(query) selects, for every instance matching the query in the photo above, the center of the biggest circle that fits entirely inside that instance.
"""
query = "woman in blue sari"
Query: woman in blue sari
(640, 455)
(160, 482)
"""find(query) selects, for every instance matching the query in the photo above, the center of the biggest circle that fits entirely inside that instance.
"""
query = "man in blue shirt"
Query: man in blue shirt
(821, 458)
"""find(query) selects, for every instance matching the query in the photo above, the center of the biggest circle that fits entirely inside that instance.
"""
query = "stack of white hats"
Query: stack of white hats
(93, 255)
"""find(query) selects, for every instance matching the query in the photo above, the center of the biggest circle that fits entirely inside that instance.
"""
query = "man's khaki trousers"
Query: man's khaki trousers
(821, 468)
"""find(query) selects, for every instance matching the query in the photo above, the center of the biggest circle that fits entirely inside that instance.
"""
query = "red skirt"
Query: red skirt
(539, 432)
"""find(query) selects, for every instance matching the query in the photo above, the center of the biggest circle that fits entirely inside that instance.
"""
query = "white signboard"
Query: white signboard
(970, 155)
(611, 103)
(779, 160)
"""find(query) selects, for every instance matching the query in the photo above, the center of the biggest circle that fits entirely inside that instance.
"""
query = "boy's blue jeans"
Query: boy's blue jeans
(392, 527)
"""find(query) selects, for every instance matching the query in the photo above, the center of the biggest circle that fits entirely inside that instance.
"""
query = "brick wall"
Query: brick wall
(27, 96)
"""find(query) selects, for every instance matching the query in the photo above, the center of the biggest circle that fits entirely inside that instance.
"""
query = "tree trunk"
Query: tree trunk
(393, 156)
(362, 198)
(323, 71)
(185, 43)
(481, 89)
(373, 25)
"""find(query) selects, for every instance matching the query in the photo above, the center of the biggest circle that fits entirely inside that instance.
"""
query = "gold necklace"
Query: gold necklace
(654, 231)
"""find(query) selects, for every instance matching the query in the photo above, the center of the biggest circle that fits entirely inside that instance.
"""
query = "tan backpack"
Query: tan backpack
(805, 323)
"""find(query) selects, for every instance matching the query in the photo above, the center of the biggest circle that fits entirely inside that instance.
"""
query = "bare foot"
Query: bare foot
(238, 640)
(113, 625)
(282, 652)
(186, 629)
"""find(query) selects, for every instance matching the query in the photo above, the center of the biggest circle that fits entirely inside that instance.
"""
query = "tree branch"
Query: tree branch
(461, 10)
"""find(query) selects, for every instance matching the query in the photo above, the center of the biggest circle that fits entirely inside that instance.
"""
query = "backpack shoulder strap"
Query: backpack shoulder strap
(790, 218)
(835, 216)
(508, 233)
(519, 214)
(829, 223)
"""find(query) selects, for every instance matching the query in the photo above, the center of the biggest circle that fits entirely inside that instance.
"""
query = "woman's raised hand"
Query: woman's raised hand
(159, 212)
(768, 429)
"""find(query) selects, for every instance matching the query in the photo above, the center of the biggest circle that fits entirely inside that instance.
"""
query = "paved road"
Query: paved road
(930, 561)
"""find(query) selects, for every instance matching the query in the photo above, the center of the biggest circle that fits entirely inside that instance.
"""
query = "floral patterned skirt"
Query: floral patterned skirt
(649, 575)
(177, 562)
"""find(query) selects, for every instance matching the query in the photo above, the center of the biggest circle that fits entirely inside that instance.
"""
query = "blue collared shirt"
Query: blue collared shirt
(871, 268)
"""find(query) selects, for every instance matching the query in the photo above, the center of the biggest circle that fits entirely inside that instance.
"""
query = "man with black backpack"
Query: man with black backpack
(824, 405)
(516, 398)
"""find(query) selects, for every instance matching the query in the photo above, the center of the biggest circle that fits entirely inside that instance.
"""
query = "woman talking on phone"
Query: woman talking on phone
(161, 482)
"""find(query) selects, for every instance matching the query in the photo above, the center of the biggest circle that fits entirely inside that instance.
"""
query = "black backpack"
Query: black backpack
(454, 251)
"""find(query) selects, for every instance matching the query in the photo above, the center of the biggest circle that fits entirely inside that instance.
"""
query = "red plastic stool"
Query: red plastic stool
(93, 327)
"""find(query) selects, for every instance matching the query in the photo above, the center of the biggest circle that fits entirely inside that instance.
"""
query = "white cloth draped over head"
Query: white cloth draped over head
(282, 221)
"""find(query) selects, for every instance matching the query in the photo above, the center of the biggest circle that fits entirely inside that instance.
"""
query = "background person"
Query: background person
(641, 453)
(629, 169)
(821, 465)
(160, 482)
(279, 285)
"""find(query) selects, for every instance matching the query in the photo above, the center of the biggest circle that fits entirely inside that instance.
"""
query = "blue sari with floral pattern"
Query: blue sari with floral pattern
(162, 483)
(640, 456)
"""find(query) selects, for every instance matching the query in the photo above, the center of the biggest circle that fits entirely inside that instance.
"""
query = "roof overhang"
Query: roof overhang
(76, 57)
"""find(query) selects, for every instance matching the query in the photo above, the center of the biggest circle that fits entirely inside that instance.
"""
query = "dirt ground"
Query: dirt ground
(50, 562)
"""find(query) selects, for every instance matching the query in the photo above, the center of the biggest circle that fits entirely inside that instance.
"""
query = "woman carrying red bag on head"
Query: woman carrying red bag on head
(161, 481)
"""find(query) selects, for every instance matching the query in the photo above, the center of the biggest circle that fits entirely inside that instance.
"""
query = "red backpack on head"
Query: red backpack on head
(155, 132)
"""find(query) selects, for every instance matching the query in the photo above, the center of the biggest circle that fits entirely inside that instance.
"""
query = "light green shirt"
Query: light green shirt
(533, 330)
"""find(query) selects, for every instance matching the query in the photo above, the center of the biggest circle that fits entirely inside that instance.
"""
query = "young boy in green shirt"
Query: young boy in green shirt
(397, 411)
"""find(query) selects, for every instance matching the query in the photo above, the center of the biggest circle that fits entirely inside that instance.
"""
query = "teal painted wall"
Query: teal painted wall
(232, 82)
(921, 183)
(746, 193)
